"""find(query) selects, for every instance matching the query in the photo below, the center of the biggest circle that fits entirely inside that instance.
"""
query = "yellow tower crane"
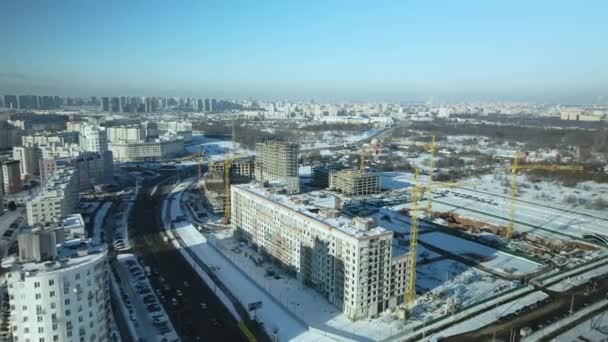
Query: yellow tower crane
(429, 192)
(410, 291)
(227, 194)
(515, 167)
(362, 154)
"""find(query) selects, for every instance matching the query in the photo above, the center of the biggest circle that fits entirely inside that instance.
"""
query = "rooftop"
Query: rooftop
(320, 206)
(71, 254)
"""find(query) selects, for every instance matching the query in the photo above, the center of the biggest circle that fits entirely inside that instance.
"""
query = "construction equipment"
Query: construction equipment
(227, 195)
(429, 193)
(363, 153)
(200, 172)
(410, 291)
(515, 168)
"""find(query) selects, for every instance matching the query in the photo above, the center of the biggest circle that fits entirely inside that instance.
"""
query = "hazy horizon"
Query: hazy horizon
(546, 51)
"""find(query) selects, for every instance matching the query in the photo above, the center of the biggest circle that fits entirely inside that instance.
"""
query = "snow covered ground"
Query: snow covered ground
(451, 279)
(486, 256)
(491, 316)
(214, 149)
(579, 279)
(98, 223)
(487, 200)
(334, 139)
(592, 329)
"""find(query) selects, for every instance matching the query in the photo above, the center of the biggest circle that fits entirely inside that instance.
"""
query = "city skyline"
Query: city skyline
(547, 51)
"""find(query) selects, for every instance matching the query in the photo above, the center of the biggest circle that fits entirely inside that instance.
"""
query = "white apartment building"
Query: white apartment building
(58, 198)
(93, 139)
(182, 129)
(350, 262)
(146, 150)
(28, 156)
(58, 291)
(132, 133)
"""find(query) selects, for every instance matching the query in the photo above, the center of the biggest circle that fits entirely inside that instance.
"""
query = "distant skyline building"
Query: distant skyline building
(11, 101)
(105, 104)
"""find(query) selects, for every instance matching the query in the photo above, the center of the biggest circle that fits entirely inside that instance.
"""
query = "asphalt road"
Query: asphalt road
(190, 319)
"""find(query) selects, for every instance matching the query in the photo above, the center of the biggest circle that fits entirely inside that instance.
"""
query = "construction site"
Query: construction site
(465, 256)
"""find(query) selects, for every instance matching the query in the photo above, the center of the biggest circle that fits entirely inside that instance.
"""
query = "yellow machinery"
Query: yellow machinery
(410, 291)
(227, 194)
(429, 192)
(363, 153)
(515, 167)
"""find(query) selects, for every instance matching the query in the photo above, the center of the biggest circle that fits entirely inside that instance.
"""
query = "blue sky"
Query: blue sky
(343, 50)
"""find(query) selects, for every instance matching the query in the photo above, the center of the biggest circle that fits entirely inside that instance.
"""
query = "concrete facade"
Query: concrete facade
(354, 183)
(58, 198)
(11, 176)
(350, 262)
(64, 298)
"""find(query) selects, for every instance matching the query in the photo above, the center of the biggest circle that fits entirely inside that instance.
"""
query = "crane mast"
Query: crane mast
(410, 291)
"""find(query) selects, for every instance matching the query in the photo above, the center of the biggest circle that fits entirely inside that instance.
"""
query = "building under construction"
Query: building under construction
(351, 262)
(241, 170)
(354, 183)
(278, 160)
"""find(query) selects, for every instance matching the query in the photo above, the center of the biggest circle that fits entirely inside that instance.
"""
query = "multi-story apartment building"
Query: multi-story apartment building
(181, 129)
(28, 156)
(93, 139)
(11, 176)
(58, 291)
(350, 261)
(58, 198)
(47, 138)
(146, 150)
(93, 168)
(354, 183)
(278, 160)
(131, 133)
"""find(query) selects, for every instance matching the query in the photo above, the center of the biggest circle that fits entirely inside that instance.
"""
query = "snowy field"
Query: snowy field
(451, 279)
(486, 256)
(214, 149)
(335, 139)
(536, 210)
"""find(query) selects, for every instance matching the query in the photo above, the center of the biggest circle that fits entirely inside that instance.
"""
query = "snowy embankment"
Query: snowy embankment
(493, 315)
(123, 307)
(555, 327)
(100, 218)
(274, 315)
(579, 279)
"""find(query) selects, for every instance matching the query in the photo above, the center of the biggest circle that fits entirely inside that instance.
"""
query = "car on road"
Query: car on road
(203, 305)
(153, 308)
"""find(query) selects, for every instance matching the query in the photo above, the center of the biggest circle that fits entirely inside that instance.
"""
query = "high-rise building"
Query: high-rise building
(28, 102)
(207, 105)
(94, 139)
(58, 290)
(11, 101)
(278, 160)
(115, 104)
(58, 198)
(28, 156)
(11, 176)
(105, 104)
(213, 107)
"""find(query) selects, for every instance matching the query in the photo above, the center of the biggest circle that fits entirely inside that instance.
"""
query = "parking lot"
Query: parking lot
(145, 310)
